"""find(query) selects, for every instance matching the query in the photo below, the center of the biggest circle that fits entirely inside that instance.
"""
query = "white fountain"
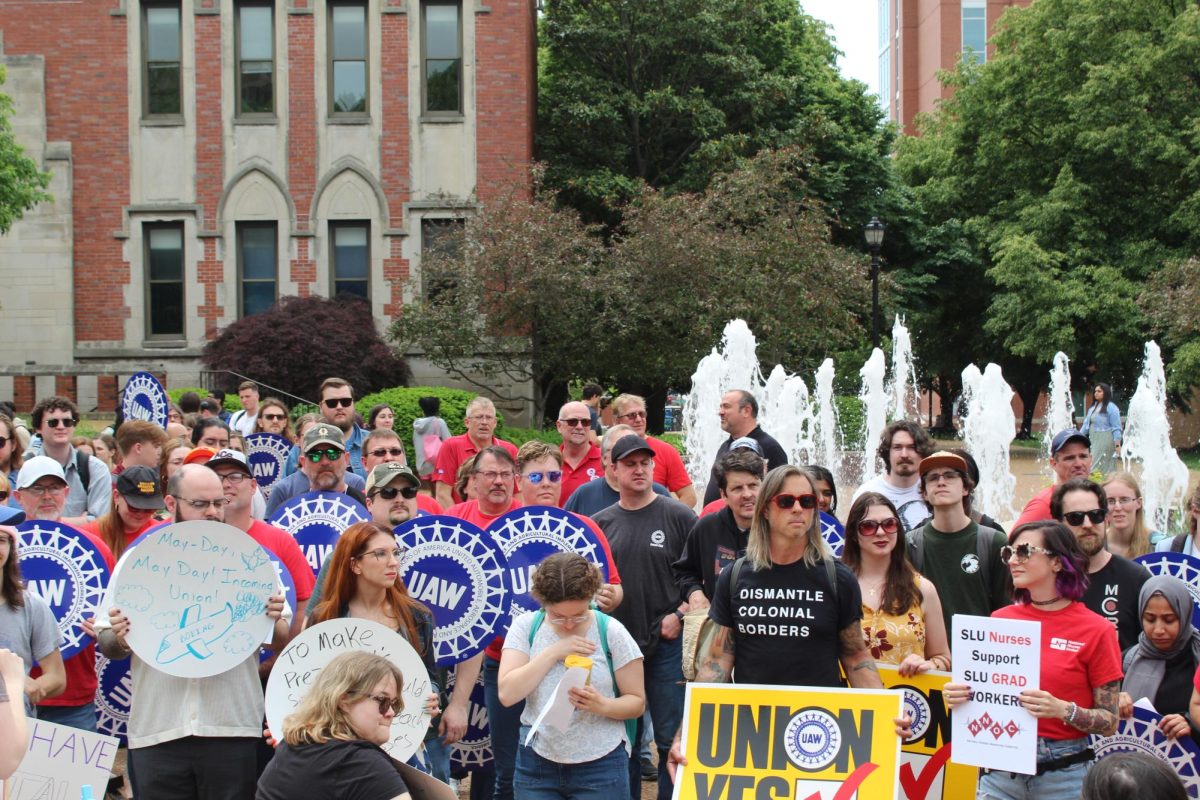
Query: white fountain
(827, 437)
(988, 428)
(1147, 438)
(875, 405)
(904, 399)
(1060, 408)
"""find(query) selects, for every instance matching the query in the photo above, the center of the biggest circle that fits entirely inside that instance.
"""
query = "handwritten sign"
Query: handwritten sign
(474, 750)
(316, 521)
(114, 696)
(268, 453)
(926, 772)
(145, 398)
(458, 571)
(529, 534)
(1177, 565)
(304, 657)
(998, 659)
(789, 742)
(59, 762)
(64, 568)
(1140, 734)
(196, 596)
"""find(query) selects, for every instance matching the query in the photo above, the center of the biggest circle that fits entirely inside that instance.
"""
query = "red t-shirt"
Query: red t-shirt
(589, 469)
(428, 504)
(454, 452)
(1079, 654)
(471, 513)
(1038, 508)
(713, 507)
(668, 465)
(284, 547)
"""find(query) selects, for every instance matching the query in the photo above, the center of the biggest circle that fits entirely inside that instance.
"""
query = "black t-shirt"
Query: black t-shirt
(1113, 594)
(714, 543)
(335, 770)
(785, 624)
(772, 451)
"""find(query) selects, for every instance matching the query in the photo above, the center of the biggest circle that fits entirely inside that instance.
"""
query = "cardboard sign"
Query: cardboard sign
(316, 521)
(1177, 565)
(65, 569)
(474, 750)
(789, 743)
(834, 534)
(196, 596)
(529, 534)
(145, 398)
(305, 656)
(268, 453)
(458, 572)
(59, 762)
(998, 659)
(1140, 734)
(926, 772)
(114, 696)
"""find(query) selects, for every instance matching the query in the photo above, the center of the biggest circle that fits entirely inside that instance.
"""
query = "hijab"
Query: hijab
(1145, 664)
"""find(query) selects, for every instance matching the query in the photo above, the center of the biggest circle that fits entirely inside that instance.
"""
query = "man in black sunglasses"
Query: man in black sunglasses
(1114, 583)
(324, 467)
(89, 480)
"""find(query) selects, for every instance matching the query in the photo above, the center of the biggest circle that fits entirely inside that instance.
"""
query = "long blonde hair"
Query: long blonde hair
(758, 546)
(320, 717)
(1139, 540)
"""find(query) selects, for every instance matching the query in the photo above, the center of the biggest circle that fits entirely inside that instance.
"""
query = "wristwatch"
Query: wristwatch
(679, 614)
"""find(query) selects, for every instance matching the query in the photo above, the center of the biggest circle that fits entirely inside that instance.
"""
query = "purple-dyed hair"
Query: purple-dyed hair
(1072, 580)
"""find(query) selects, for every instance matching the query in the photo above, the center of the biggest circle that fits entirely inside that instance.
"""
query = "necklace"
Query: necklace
(1052, 600)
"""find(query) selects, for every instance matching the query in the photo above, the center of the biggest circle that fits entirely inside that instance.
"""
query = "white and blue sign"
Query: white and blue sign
(145, 398)
(531, 533)
(289, 596)
(1140, 734)
(268, 452)
(458, 571)
(316, 521)
(834, 534)
(114, 696)
(1177, 565)
(474, 750)
(64, 568)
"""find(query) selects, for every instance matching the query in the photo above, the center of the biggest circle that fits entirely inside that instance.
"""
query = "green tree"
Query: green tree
(22, 184)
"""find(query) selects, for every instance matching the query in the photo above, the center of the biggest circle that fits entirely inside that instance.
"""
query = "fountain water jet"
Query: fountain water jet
(827, 437)
(1147, 439)
(904, 400)
(875, 404)
(1060, 408)
(988, 428)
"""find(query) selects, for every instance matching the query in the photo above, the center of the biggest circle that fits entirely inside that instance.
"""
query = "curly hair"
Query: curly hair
(565, 576)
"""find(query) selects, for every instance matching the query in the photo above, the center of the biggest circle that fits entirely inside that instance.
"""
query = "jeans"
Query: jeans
(505, 724)
(80, 717)
(437, 753)
(664, 698)
(196, 768)
(1061, 784)
(539, 778)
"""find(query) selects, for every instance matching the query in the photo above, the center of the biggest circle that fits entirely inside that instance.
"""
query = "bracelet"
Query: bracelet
(1070, 720)
(679, 614)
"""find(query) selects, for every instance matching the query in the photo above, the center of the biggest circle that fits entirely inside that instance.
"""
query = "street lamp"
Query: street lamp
(873, 233)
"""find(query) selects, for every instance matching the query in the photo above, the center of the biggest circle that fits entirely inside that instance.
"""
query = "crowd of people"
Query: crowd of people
(754, 561)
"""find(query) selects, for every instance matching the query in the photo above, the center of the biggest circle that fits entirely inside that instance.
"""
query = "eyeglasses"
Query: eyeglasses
(274, 417)
(201, 505)
(234, 478)
(395, 452)
(1113, 502)
(386, 704)
(786, 501)
(483, 417)
(4, 440)
(66, 422)
(1022, 551)
(632, 415)
(334, 402)
(560, 621)
(315, 456)
(938, 477)
(1096, 515)
(553, 476)
(382, 554)
(407, 492)
(576, 423)
(37, 490)
(492, 476)
(869, 527)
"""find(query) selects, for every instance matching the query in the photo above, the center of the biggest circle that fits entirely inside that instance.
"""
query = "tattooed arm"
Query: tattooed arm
(717, 667)
(856, 659)
(1102, 717)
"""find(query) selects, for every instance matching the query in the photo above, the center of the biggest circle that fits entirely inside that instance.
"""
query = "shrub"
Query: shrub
(232, 401)
(850, 420)
(403, 400)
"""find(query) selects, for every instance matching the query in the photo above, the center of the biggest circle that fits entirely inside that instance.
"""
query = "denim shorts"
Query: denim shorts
(1061, 784)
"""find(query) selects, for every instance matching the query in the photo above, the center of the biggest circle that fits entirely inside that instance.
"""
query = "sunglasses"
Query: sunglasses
(4, 440)
(869, 527)
(407, 492)
(576, 423)
(386, 704)
(3, 496)
(274, 417)
(395, 452)
(554, 476)
(1022, 551)
(334, 402)
(1096, 515)
(786, 501)
(66, 422)
(331, 454)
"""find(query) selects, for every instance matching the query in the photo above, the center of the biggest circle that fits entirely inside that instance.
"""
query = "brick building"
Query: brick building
(210, 156)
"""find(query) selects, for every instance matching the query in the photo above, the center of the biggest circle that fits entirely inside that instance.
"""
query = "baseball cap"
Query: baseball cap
(229, 457)
(11, 515)
(1063, 438)
(628, 445)
(322, 433)
(139, 487)
(37, 468)
(199, 455)
(943, 458)
(389, 472)
(745, 443)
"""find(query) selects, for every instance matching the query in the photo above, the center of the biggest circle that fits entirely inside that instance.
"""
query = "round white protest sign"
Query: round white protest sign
(302, 660)
(196, 597)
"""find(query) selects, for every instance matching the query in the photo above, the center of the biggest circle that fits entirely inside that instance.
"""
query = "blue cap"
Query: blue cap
(10, 515)
(1063, 438)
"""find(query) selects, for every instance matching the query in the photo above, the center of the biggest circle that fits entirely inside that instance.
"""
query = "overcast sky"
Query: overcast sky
(853, 25)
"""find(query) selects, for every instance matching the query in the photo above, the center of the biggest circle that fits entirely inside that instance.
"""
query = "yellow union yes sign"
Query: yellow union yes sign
(789, 743)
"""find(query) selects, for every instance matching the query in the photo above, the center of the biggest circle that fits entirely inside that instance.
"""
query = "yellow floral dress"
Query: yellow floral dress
(892, 637)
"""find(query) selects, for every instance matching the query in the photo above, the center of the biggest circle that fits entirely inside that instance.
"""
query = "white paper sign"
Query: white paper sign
(558, 712)
(196, 597)
(60, 761)
(998, 659)
(301, 661)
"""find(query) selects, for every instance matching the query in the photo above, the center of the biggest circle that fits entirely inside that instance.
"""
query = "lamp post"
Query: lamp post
(873, 233)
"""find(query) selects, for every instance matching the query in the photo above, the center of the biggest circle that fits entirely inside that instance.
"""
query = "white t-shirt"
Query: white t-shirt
(913, 511)
(243, 423)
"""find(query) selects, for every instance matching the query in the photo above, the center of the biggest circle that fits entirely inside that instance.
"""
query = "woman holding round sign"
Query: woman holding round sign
(590, 758)
(1080, 664)
(331, 747)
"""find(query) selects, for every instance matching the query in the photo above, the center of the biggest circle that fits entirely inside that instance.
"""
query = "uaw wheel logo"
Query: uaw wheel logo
(114, 696)
(65, 569)
(812, 739)
(458, 571)
(1177, 565)
(1140, 734)
(833, 533)
(268, 455)
(316, 521)
(144, 398)
(474, 750)
(917, 709)
(529, 534)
